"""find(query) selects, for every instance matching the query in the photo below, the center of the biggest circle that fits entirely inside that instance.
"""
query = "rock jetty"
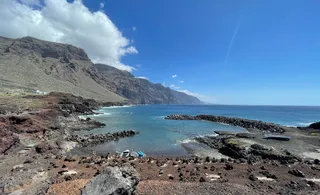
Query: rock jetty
(240, 122)
(91, 139)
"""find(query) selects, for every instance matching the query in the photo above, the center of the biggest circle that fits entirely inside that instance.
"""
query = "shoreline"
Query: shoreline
(38, 158)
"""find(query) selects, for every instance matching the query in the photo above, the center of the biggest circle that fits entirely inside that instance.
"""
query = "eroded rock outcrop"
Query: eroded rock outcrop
(315, 125)
(235, 148)
(7, 140)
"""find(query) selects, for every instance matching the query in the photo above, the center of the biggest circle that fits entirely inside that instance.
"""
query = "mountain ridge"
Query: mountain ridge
(28, 63)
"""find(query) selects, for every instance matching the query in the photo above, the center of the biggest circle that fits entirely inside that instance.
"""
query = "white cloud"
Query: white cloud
(134, 28)
(142, 78)
(101, 5)
(181, 81)
(164, 84)
(174, 87)
(174, 76)
(72, 23)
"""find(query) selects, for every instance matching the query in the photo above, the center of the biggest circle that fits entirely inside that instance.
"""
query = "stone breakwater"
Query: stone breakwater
(240, 122)
(90, 140)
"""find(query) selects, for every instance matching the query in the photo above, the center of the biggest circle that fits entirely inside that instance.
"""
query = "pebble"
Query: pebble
(202, 179)
(229, 166)
(252, 177)
(262, 168)
(170, 176)
(28, 161)
(18, 167)
(296, 172)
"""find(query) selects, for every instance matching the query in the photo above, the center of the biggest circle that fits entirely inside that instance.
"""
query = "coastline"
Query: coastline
(38, 159)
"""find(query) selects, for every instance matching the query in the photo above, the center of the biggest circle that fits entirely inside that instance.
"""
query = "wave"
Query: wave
(159, 117)
(102, 114)
(302, 124)
(94, 115)
(83, 116)
(305, 124)
(185, 141)
(192, 140)
(125, 106)
(290, 125)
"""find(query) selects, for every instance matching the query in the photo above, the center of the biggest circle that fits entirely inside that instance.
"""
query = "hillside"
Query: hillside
(29, 64)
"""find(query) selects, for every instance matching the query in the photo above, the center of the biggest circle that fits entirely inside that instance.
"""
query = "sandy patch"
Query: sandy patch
(68, 188)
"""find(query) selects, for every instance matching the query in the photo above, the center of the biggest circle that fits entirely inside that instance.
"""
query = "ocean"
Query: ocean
(167, 137)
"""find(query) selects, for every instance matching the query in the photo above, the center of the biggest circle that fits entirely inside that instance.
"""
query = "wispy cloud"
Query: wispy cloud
(101, 5)
(181, 81)
(67, 22)
(232, 39)
(174, 76)
(134, 28)
(142, 78)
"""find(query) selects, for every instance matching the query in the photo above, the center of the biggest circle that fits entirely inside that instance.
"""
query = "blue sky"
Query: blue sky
(225, 51)
(274, 56)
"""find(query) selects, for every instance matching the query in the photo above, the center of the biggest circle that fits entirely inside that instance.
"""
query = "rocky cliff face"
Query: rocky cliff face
(28, 64)
(138, 90)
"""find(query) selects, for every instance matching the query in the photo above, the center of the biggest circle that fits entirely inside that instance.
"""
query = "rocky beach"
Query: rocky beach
(39, 133)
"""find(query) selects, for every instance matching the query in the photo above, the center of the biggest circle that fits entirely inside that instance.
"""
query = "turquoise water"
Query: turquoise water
(164, 137)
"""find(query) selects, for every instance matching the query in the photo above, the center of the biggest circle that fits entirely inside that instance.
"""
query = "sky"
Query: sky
(251, 52)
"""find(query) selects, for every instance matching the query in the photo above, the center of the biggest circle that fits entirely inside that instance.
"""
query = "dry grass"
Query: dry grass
(16, 102)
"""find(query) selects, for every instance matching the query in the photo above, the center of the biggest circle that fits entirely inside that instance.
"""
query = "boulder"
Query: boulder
(7, 140)
(229, 166)
(113, 180)
(45, 148)
(252, 177)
